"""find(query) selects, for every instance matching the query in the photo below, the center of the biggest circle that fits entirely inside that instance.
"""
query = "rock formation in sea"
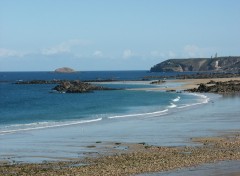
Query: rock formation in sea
(219, 64)
(65, 70)
(78, 87)
(69, 86)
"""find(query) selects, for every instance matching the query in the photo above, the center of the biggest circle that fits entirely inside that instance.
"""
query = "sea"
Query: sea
(32, 107)
(37, 124)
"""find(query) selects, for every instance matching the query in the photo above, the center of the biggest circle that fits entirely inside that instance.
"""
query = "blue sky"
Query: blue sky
(42, 35)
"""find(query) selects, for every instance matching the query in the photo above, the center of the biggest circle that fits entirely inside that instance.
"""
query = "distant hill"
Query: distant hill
(65, 70)
(221, 64)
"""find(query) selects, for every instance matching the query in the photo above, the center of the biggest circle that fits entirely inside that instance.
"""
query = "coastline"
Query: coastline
(140, 158)
(131, 150)
(184, 84)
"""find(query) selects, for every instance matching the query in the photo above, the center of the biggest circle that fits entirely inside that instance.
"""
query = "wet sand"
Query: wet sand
(139, 158)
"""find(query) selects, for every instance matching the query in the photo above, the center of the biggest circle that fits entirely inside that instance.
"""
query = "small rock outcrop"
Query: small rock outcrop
(78, 87)
(158, 82)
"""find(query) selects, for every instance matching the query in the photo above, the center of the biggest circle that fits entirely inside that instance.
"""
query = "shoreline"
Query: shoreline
(139, 159)
(184, 84)
(138, 153)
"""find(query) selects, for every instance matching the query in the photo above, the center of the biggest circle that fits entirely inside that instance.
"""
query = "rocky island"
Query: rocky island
(65, 70)
(216, 64)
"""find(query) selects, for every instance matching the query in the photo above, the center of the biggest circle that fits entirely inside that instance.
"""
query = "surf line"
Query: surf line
(50, 126)
(133, 115)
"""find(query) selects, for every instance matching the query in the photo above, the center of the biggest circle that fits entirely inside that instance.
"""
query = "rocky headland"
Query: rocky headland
(198, 75)
(219, 64)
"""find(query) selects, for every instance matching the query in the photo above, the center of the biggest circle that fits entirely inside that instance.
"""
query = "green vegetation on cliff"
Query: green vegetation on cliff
(221, 64)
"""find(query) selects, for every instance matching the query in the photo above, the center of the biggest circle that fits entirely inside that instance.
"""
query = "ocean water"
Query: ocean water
(37, 125)
(34, 107)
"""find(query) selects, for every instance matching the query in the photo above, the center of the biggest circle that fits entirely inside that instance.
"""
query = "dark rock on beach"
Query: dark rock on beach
(158, 82)
(218, 87)
(78, 87)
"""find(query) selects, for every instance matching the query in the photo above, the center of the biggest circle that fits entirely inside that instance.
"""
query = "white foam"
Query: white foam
(176, 99)
(48, 125)
(204, 99)
(188, 105)
(28, 124)
(143, 114)
(172, 105)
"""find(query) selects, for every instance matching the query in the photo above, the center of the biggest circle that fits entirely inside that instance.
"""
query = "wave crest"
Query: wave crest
(44, 125)
(143, 114)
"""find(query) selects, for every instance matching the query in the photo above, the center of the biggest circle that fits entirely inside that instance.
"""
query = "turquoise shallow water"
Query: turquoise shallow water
(29, 107)
(36, 125)
(175, 128)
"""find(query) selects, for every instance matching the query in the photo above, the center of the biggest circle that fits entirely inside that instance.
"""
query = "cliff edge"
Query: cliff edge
(221, 64)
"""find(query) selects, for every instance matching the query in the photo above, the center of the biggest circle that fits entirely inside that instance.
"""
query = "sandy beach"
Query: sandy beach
(184, 84)
(139, 158)
(131, 158)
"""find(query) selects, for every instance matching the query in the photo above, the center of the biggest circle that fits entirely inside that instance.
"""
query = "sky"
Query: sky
(87, 35)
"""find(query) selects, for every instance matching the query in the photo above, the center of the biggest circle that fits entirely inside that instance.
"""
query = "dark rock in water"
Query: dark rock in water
(68, 86)
(171, 90)
(78, 87)
(158, 82)
(219, 87)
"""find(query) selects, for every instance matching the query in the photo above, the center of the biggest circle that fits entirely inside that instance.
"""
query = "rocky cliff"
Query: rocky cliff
(224, 64)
